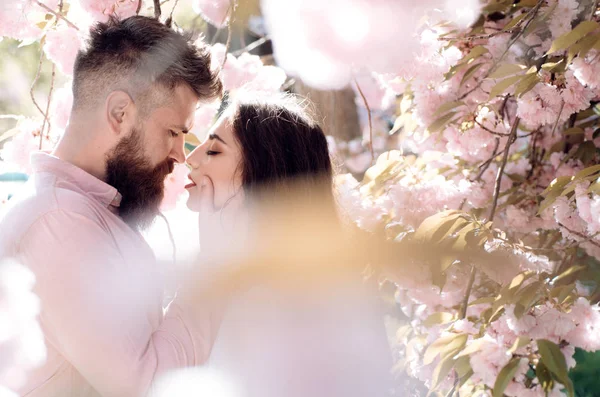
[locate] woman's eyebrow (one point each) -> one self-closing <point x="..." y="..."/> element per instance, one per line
<point x="218" y="138"/>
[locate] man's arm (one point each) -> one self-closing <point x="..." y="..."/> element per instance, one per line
<point x="95" y="313"/>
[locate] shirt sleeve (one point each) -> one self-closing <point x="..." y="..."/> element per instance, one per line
<point x="97" y="312"/>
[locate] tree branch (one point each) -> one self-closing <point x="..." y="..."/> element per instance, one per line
<point x="370" y="122"/>
<point x="48" y="108"/>
<point x="533" y="13"/>
<point x="57" y="15"/>
<point x="35" y="80"/>
<point x="583" y="236"/>
<point x="511" y="139"/>
<point x="251" y="46"/>
<point x="229" y="14"/>
<point x="157" y="10"/>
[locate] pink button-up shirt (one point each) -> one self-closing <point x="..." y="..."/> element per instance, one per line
<point x="100" y="289"/>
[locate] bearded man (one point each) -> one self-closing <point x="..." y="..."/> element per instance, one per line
<point x="77" y="222"/>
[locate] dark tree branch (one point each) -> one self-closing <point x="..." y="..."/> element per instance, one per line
<point x="157" y="10"/>
<point x="370" y="122"/>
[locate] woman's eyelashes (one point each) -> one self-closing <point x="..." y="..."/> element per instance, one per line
<point x="212" y="153"/>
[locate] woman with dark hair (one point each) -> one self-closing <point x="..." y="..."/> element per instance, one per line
<point x="299" y="321"/>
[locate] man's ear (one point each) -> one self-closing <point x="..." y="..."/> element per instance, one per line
<point x="120" y="112"/>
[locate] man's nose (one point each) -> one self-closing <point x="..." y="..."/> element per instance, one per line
<point x="178" y="151"/>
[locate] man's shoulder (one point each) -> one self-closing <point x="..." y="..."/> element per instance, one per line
<point x="34" y="202"/>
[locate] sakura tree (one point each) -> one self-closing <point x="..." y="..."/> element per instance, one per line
<point x="480" y="141"/>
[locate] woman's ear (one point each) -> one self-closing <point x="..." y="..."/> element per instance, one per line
<point x="120" y="112"/>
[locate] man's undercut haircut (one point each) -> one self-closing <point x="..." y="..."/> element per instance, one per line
<point x="139" y="55"/>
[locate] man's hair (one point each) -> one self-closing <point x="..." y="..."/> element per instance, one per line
<point x="139" y="55"/>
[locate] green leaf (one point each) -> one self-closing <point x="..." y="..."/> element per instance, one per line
<point x="476" y="52"/>
<point x="428" y="228"/>
<point x="586" y="172"/>
<point x="438" y="318"/>
<point x="446" y="107"/>
<point x="573" y="131"/>
<point x="553" y="191"/>
<point x="473" y="347"/>
<point x="9" y="134"/>
<point x="441" y="371"/>
<point x="557" y="185"/>
<point x="441" y="122"/>
<point x="554" y="360"/>
<point x="463" y="366"/>
<point x="505" y="376"/>
<point x="526" y="298"/>
<point x="569" y="272"/>
<point x="594" y="188"/>
<point x="515" y="21"/>
<point x="570" y="38"/>
<point x="582" y="47"/>
<point x="470" y="72"/>
<point x="444" y="345"/>
<point x="526" y="84"/>
<point x="586" y="152"/>
<point x="521" y="341"/>
<point x="544" y="377"/>
<point x="506" y="69"/>
<point x="484" y="300"/>
<point x="502" y="86"/>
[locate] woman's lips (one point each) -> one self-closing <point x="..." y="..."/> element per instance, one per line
<point x="190" y="184"/>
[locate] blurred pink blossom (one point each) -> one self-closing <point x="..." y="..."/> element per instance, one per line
<point x="18" y="18"/>
<point x="357" y="35"/>
<point x="21" y="340"/>
<point x="204" y="118"/>
<point x="26" y="140"/>
<point x="587" y="70"/>
<point x="246" y="71"/>
<point x="60" y="106"/>
<point x="61" y="46"/>
<point x="100" y="10"/>
<point x="214" y="11"/>
<point x="174" y="187"/>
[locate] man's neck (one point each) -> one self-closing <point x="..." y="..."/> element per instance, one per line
<point x="82" y="150"/>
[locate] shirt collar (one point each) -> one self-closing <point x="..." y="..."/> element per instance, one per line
<point x="87" y="183"/>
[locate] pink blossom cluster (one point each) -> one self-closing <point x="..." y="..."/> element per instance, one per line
<point x="587" y="70"/>
<point x="357" y="35"/>
<point x="61" y="46"/>
<point x="175" y="187"/>
<point x="21" y="340"/>
<point x="548" y="104"/>
<point x="246" y="71"/>
<point x="18" y="18"/>
<point x="216" y="12"/>
<point x="101" y="10"/>
<point x="432" y="195"/>
<point x="26" y="140"/>
<point x="367" y="213"/>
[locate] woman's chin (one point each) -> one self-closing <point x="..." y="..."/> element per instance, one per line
<point x="192" y="204"/>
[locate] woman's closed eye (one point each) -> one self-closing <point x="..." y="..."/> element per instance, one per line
<point x="212" y="153"/>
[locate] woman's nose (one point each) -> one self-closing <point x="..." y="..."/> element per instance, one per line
<point x="193" y="159"/>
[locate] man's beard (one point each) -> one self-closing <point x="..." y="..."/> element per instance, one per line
<point x="140" y="184"/>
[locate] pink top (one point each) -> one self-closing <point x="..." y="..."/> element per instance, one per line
<point x="100" y="289"/>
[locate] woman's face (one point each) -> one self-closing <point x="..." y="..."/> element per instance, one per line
<point x="218" y="158"/>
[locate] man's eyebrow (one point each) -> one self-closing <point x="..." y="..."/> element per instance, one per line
<point x="184" y="130"/>
<point x="218" y="138"/>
